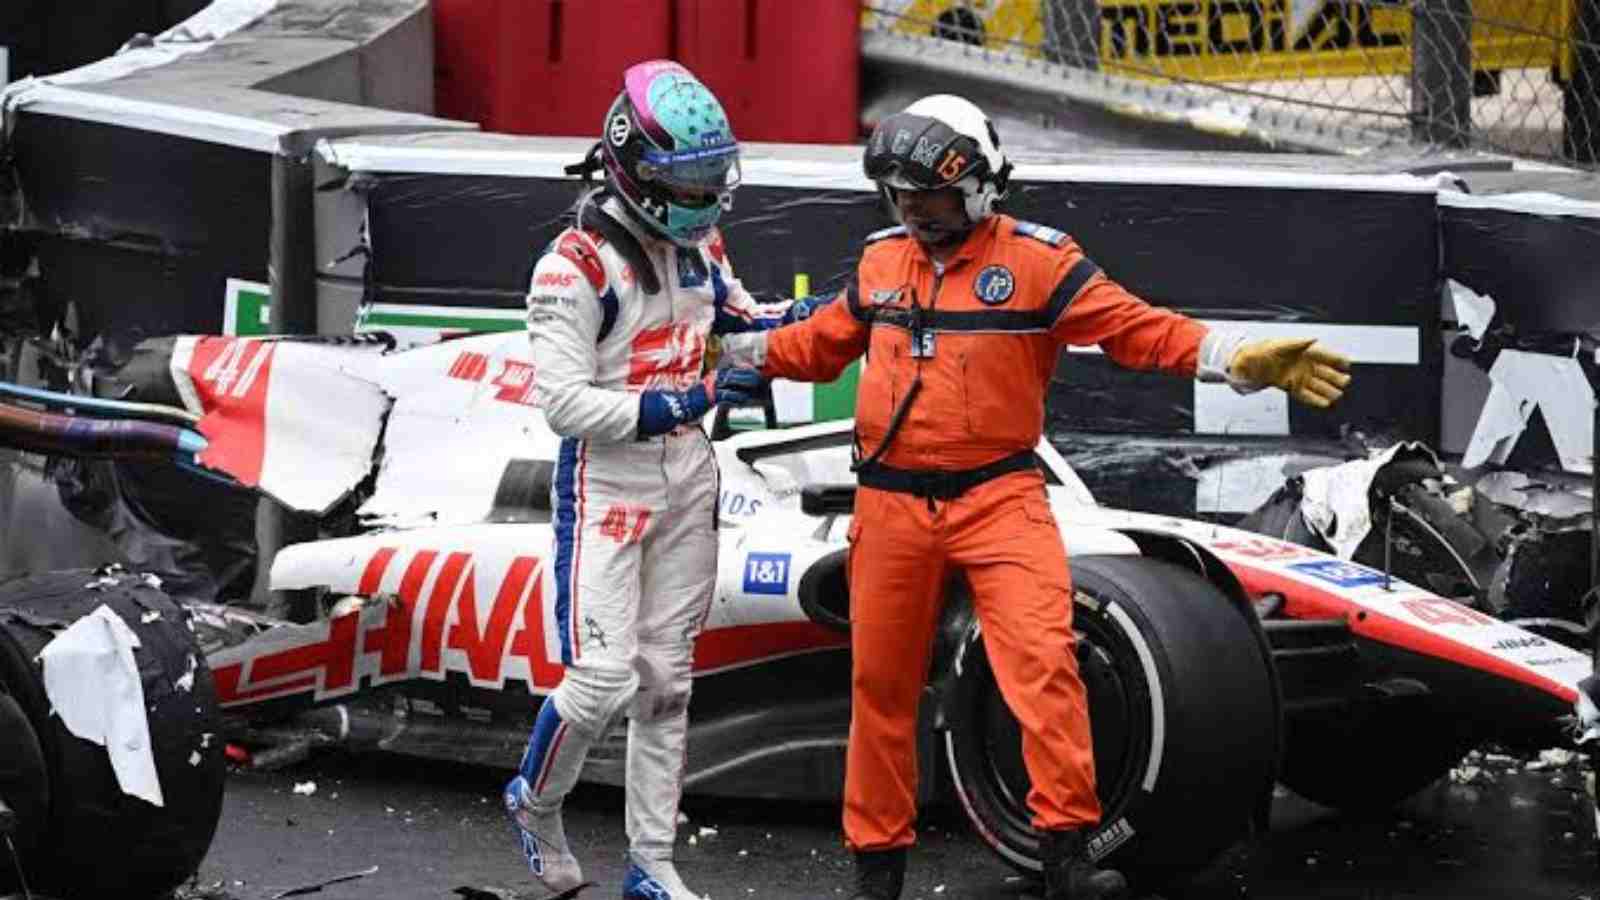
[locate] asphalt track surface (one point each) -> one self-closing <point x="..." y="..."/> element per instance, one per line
<point x="433" y="830"/>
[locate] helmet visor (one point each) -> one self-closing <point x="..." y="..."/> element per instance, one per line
<point x="710" y="170"/>
<point x="918" y="153"/>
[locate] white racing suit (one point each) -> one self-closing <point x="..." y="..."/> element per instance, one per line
<point x="635" y="555"/>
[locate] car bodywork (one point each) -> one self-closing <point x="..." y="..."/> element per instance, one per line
<point x="437" y="636"/>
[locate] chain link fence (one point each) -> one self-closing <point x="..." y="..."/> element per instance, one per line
<point x="1515" y="77"/>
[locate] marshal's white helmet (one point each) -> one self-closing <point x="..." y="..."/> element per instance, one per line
<point x="937" y="142"/>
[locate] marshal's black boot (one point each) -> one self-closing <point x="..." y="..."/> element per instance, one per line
<point x="880" y="874"/>
<point x="1068" y="874"/>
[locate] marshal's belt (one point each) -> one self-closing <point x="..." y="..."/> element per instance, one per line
<point x="936" y="484"/>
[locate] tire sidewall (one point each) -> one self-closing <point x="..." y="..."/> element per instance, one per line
<point x="1149" y="821"/>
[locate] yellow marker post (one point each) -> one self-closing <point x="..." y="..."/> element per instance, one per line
<point x="802" y="284"/>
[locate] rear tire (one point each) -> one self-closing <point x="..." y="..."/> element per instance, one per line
<point x="1183" y="713"/>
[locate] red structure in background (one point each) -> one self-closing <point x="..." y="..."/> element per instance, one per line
<point x="786" y="71"/>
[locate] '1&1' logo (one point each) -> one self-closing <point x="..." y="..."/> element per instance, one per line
<point x="766" y="573"/>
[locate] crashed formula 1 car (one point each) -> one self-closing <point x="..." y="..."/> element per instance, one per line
<point x="1515" y="546"/>
<point x="1216" y="661"/>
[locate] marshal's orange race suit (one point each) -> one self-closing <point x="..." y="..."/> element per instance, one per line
<point x="948" y="481"/>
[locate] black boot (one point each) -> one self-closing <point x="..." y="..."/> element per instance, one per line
<point x="1068" y="874"/>
<point x="880" y="874"/>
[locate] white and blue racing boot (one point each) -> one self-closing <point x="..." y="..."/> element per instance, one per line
<point x="654" y="880"/>
<point x="544" y="840"/>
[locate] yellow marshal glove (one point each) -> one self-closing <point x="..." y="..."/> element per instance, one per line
<point x="1312" y="374"/>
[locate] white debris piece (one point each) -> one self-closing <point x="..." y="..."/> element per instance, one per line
<point x="194" y="758"/>
<point x="1522" y="382"/>
<point x="305" y="787"/>
<point x="93" y="684"/>
<point x="151" y="580"/>
<point x="185" y="683"/>
<point x="1335" y="502"/>
<point x="1553" y="758"/>
<point x="151" y="616"/>
<point x="1473" y="311"/>
<point x="707" y="832"/>
<point x="1588" y="719"/>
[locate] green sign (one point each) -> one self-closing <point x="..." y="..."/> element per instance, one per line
<point x="837" y="399"/>
<point x="413" y="325"/>
<point x="245" y="308"/>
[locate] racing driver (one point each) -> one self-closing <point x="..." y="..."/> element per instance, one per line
<point x="961" y="312"/>
<point x="620" y="307"/>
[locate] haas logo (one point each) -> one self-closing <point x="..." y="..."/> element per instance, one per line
<point x="515" y="383"/>
<point x="668" y="357"/>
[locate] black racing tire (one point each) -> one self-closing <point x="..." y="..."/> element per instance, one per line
<point x="1183" y="712"/>
<point x="1375" y="756"/>
<point x="24" y="783"/>
<point x="97" y="841"/>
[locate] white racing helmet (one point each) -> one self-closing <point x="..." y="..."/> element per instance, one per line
<point x="937" y="142"/>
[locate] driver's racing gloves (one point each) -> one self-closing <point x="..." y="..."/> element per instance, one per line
<point x="662" y="411"/>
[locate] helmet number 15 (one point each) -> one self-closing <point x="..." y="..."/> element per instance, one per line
<point x="952" y="165"/>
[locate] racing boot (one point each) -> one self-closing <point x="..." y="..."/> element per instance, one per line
<point x="880" y="874"/>
<point x="544" y="840"/>
<point x="654" y="879"/>
<point x="658" y="732"/>
<point x="1068" y="873"/>
<point x="548" y="771"/>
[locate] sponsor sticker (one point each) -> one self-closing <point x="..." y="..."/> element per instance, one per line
<point x="549" y="303"/>
<point x="1519" y="643"/>
<point x="885" y="297"/>
<point x="618" y="130"/>
<point x="1338" y="572"/>
<point x="555" y="279"/>
<point x="469" y="366"/>
<point x="1110" y="838"/>
<point x="515" y="383"/>
<point x="1552" y="661"/>
<point x="766" y="573"/>
<point x="1262" y="548"/>
<point x="670" y="357"/>
<point x="737" y="504"/>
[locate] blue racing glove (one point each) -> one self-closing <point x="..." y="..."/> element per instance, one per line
<point x="735" y="385"/>
<point x="662" y="411"/>
<point x="804" y="307"/>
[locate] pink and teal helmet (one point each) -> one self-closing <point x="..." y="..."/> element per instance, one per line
<point x="669" y="151"/>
